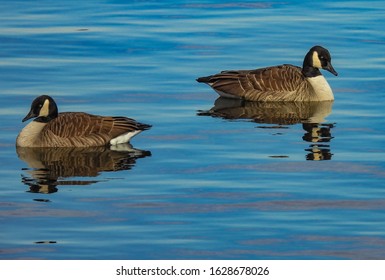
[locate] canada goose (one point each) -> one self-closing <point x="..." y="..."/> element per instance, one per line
<point x="278" y="83"/>
<point x="70" y="129"/>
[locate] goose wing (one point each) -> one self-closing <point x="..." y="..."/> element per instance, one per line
<point x="82" y="129"/>
<point x="271" y="83"/>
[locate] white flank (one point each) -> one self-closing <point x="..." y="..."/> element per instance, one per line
<point x="124" y="138"/>
<point x="322" y="90"/>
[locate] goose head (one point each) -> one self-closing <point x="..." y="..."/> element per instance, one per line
<point x="317" y="58"/>
<point x="43" y="108"/>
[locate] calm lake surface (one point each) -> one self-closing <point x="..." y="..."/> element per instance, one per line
<point x="211" y="179"/>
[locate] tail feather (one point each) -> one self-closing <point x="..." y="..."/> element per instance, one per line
<point x="143" y="126"/>
<point x="204" y="79"/>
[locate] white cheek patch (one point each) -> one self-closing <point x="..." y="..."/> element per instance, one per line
<point x="44" y="111"/>
<point x="316" y="61"/>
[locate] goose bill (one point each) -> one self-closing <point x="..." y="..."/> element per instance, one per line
<point x="330" y="68"/>
<point x="30" y="115"/>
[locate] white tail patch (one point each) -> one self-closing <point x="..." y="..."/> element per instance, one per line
<point x="124" y="138"/>
<point x="125" y="147"/>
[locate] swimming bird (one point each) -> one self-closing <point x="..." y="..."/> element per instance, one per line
<point x="73" y="129"/>
<point x="278" y="83"/>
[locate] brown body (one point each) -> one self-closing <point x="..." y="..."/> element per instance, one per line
<point x="278" y="83"/>
<point x="74" y="129"/>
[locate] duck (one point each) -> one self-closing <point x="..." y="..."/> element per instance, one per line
<point x="278" y="83"/>
<point x="73" y="129"/>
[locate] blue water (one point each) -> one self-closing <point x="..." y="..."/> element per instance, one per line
<point x="204" y="185"/>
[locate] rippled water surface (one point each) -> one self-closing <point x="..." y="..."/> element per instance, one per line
<point x="212" y="179"/>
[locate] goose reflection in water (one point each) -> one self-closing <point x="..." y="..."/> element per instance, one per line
<point x="310" y="114"/>
<point x="51" y="167"/>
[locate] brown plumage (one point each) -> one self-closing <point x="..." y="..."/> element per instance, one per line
<point x="74" y="129"/>
<point x="278" y="83"/>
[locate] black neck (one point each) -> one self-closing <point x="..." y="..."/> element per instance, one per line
<point x="310" y="72"/>
<point x="45" y="119"/>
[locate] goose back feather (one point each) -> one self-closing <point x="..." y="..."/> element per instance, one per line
<point x="278" y="83"/>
